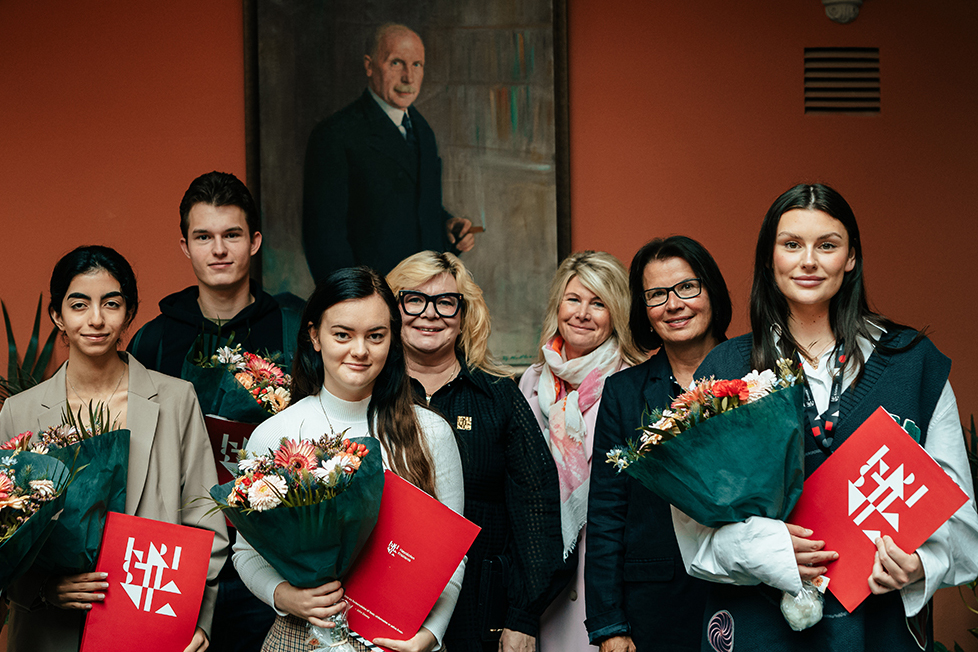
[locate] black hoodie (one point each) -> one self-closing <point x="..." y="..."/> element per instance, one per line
<point x="163" y="343"/>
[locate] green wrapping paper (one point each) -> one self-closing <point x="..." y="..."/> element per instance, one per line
<point x="221" y="395"/>
<point x="101" y="467"/>
<point x="314" y="544"/>
<point x="19" y="551"/>
<point x="745" y="462"/>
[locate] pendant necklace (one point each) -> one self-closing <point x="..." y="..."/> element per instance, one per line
<point x="104" y="402"/>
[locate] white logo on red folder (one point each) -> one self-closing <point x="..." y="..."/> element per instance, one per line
<point x="229" y="446"/>
<point x="395" y="550"/>
<point x="153" y="565"/>
<point x="887" y="486"/>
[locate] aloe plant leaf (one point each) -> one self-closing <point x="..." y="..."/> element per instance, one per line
<point x="44" y="357"/>
<point x="13" y="366"/>
<point x="31" y="352"/>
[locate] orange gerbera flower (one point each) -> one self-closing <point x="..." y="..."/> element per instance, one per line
<point x="245" y="378"/>
<point x="296" y="455"/>
<point x="698" y="394"/>
<point x="6" y="486"/>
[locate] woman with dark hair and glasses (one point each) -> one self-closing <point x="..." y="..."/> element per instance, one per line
<point x="348" y="375"/>
<point x="510" y="479"/>
<point x="638" y="595"/>
<point x="93" y="302"/>
<point x="808" y="302"/>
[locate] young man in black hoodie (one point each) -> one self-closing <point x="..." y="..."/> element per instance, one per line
<point x="219" y="223"/>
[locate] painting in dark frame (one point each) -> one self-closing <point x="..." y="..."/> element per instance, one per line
<point x="495" y="94"/>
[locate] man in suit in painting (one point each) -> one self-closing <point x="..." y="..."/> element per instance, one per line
<point x="372" y="179"/>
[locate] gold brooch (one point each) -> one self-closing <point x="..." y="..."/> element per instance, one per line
<point x="463" y="423"/>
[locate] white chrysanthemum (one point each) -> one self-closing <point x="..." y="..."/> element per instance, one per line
<point x="43" y="488"/>
<point x="267" y="492"/>
<point x="759" y="384"/>
<point x="40" y="449"/>
<point x="665" y="423"/>
<point x="649" y="437"/>
<point x="246" y="465"/>
<point x="328" y="472"/>
<point x="228" y="356"/>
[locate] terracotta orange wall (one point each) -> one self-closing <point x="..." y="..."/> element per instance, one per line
<point x="107" y="111"/>
<point x="685" y="118"/>
<point x="688" y="117"/>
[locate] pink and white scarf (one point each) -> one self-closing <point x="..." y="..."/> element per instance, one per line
<point x="567" y="435"/>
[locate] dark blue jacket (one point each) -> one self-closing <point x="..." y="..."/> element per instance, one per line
<point x="366" y="199"/>
<point x="634" y="578"/>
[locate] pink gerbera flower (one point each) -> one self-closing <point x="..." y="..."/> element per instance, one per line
<point x="296" y="455"/>
<point x="262" y="369"/>
<point x="19" y="442"/>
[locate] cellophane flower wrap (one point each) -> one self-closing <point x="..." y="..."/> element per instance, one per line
<point x="97" y="454"/>
<point x="233" y="383"/>
<point x="726" y="449"/>
<point x="32" y="496"/>
<point x="308" y="506"/>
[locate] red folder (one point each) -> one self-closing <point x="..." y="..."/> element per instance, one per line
<point x="157" y="573"/>
<point x="227" y="437"/>
<point x="406" y="562"/>
<point x="878" y="482"/>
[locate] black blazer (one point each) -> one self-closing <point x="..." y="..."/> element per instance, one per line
<point x="366" y="201"/>
<point x="634" y="578"/>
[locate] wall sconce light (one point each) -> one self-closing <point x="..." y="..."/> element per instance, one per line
<point x="842" y="11"/>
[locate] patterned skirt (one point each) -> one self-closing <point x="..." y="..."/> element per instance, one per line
<point x="288" y="634"/>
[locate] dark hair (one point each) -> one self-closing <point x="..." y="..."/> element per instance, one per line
<point x="705" y="268"/>
<point x="392" y="401"/>
<point x="848" y="310"/>
<point x="218" y="189"/>
<point x="85" y="260"/>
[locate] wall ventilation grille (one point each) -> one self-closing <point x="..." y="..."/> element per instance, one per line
<point x="842" y="80"/>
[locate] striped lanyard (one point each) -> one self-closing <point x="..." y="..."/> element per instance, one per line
<point x="822" y="426"/>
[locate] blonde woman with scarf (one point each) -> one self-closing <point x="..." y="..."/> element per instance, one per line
<point x="585" y="340"/>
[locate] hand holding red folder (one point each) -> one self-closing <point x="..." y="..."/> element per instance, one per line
<point x="405" y="564"/>
<point x="878" y="482"/>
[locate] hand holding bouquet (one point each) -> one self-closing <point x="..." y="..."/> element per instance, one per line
<point x="98" y="456"/>
<point x="726" y="449"/>
<point x="307" y="508"/>
<point x="323" y="495"/>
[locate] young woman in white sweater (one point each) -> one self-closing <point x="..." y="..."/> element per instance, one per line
<point x="349" y="375"/>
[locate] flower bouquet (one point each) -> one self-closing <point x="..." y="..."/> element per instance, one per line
<point x="31" y="498"/>
<point x="726" y="449"/>
<point x="236" y="384"/>
<point x="98" y="455"/>
<point x="307" y="508"/>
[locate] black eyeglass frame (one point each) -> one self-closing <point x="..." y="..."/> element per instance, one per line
<point x="645" y="295"/>
<point x="430" y="299"/>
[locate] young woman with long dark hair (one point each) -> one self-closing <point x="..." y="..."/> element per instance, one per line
<point x="808" y="302"/>
<point x="349" y="375"/>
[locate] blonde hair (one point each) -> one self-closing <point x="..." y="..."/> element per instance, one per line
<point x="604" y="275"/>
<point x="473" y="341"/>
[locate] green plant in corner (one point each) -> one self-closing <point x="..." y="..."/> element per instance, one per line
<point x="24" y="374"/>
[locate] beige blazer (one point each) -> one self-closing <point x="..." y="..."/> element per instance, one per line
<point x="170" y="463"/>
